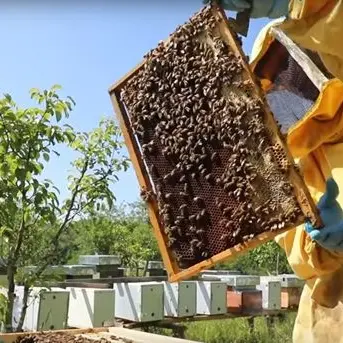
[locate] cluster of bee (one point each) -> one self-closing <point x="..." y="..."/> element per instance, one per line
<point x="203" y="135"/>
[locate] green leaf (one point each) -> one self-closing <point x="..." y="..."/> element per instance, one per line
<point x="27" y="216"/>
<point x="58" y="116"/>
<point x="8" y="97"/>
<point x="34" y="91"/>
<point x="56" y="87"/>
<point x="72" y="100"/>
<point x="56" y="189"/>
<point x="20" y="173"/>
<point x="4" y="168"/>
<point x="46" y="156"/>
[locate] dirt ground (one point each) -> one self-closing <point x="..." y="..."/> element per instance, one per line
<point x="67" y="338"/>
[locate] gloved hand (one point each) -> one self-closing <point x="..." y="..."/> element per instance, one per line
<point x="330" y="236"/>
<point x="260" y="8"/>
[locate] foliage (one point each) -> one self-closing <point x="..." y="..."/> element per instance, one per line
<point x="3" y="308"/>
<point x="237" y="331"/>
<point x="124" y="231"/>
<point x="268" y="258"/>
<point x="32" y="220"/>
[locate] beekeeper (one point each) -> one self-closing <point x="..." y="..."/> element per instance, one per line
<point x="315" y="139"/>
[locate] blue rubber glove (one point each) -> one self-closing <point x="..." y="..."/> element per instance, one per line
<point x="260" y="8"/>
<point x="330" y="236"/>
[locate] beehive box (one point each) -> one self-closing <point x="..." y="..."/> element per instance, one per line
<point x="249" y="300"/>
<point x="90" y="307"/>
<point x="180" y="299"/>
<point x="271" y="294"/>
<point x="211" y="298"/>
<point x="139" y="301"/>
<point x="290" y="297"/>
<point x="207" y="152"/>
<point x="47" y="308"/>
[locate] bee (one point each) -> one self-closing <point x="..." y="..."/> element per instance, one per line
<point x="147" y="195"/>
<point x="199" y="201"/>
<point x="224" y="237"/>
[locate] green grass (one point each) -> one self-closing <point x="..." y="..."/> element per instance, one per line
<point x="237" y="331"/>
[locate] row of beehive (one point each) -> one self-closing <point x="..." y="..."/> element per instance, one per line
<point x="152" y="301"/>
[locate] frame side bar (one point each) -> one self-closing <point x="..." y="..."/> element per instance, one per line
<point x="144" y="181"/>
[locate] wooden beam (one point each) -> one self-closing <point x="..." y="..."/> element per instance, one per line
<point x="144" y="337"/>
<point x="106" y="283"/>
<point x="305" y="62"/>
<point x="201" y="318"/>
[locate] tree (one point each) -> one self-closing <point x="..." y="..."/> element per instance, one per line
<point x="124" y="231"/>
<point x="32" y="221"/>
<point x="268" y="258"/>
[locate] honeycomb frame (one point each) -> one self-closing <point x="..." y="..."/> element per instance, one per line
<point x="155" y="192"/>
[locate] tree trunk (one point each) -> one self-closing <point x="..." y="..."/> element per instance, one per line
<point x="146" y="268"/>
<point x="10" y="299"/>
<point x="137" y="269"/>
<point x="277" y="263"/>
<point x="24" y="308"/>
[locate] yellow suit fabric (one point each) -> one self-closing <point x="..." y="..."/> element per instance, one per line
<point x="317" y="25"/>
<point x="316" y="143"/>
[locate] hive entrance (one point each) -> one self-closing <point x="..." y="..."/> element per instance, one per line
<point x="220" y="174"/>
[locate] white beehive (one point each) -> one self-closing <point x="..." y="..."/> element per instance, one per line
<point x="47" y="308"/>
<point x="139" y="302"/>
<point x="100" y="260"/>
<point x="287" y="280"/>
<point x="180" y="299"/>
<point x="90" y="307"/>
<point x="271" y="294"/>
<point x="241" y="281"/>
<point x="211" y="297"/>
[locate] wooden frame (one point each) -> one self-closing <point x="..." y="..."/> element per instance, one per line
<point x="301" y="192"/>
<point x="305" y="62"/>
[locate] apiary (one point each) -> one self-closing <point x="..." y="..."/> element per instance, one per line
<point x="208" y="154"/>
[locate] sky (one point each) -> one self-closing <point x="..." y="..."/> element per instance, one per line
<point x="85" y="46"/>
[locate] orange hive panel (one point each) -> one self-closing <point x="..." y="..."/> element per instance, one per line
<point x="290" y="297"/>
